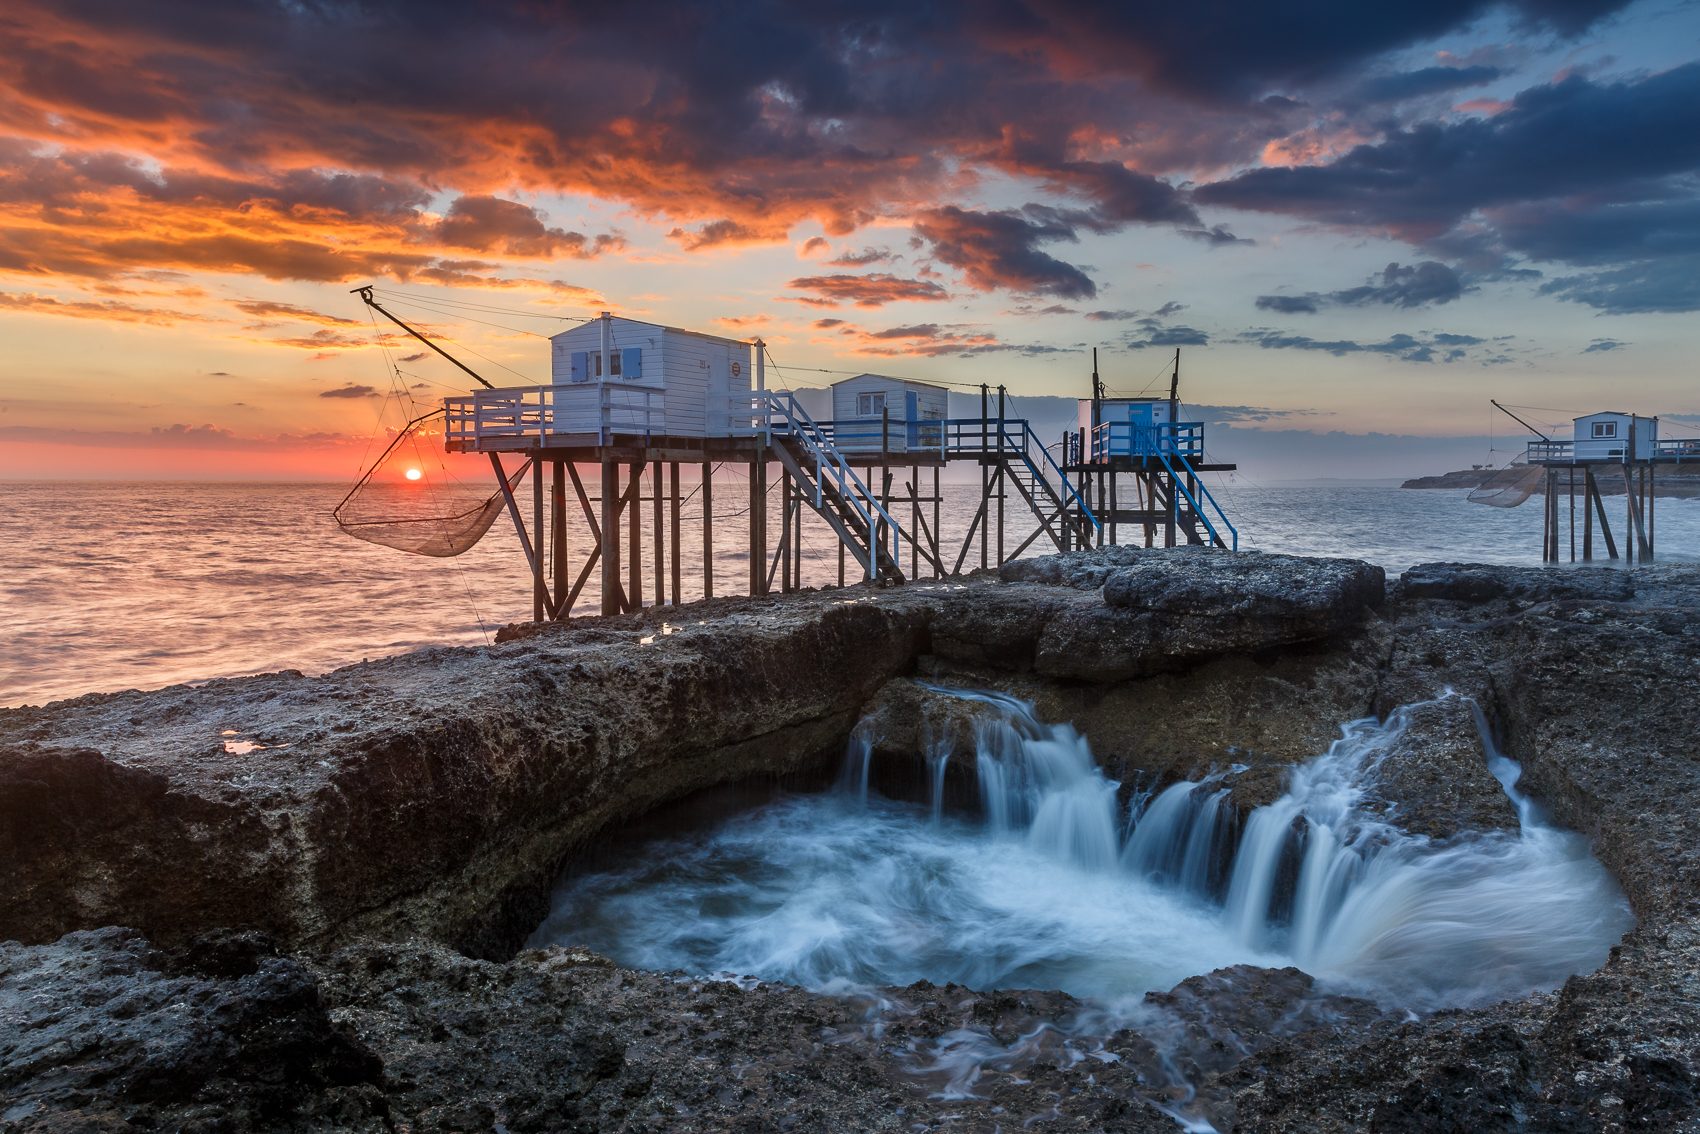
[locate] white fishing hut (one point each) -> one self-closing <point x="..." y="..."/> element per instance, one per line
<point x="1606" y="436"/>
<point x="1136" y="428"/>
<point x="872" y="413"/>
<point x="621" y="376"/>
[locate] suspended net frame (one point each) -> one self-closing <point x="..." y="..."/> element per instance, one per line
<point x="422" y="519"/>
<point x="1508" y="487"/>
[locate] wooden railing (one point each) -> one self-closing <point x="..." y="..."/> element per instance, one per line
<point x="540" y="412"/>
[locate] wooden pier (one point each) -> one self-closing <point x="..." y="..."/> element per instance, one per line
<point x="632" y="404"/>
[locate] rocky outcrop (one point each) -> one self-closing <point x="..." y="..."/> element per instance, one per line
<point x="1165" y="610"/>
<point x="374" y="821"/>
<point x="431" y="793"/>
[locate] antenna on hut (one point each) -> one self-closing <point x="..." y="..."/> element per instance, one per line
<point x="365" y="294"/>
<point x="1175" y="389"/>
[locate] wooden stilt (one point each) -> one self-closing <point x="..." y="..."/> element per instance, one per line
<point x="558" y="530"/>
<point x="1651" y="495"/>
<point x="634" y="531"/>
<point x="758" y="526"/>
<point x="706" y="490"/>
<point x="1587" y="515"/>
<point x="539" y="583"/>
<point x="659" y="519"/>
<point x="914" y="521"/>
<point x="678" y="556"/>
<point x="613" y="599"/>
<point x="938" y="533"/>
<point x="1570" y="494"/>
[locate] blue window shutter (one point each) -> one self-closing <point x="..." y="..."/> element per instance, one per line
<point x="581" y="366"/>
<point x="631" y="363"/>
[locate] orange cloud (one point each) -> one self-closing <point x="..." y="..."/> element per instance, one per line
<point x="110" y="310"/>
<point x="874" y="290"/>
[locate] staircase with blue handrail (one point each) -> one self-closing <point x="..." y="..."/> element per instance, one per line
<point x="831" y="486"/>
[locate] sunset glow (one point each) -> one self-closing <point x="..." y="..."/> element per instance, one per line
<point x="1359" y="225"/>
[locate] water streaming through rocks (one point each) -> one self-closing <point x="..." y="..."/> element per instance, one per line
<point x="1056" y="884"/>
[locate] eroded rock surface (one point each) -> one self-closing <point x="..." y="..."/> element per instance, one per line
<point x="372" y="819"/>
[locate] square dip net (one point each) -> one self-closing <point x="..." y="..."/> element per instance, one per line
<point x="408" y="500"/>
<point x="1508" y="487"/>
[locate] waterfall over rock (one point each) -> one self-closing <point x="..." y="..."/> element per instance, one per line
<point x="1054" y="883"/>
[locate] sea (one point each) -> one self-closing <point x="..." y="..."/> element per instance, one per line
<point x="112" y="586"/>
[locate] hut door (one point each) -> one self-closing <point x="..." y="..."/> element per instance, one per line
<point x="1144" y="440"/>
<point x="911" y="419"/>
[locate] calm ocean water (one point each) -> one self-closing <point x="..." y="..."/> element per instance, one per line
<point x="118" y="586"/>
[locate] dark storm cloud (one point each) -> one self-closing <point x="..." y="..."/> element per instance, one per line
<point x="734" y="123"/>
<point x="1289" y="304"/>
<point x="1397" y="285"/>
<point x="1427" y="81"/>
<point x="1168" y="337"/>
<point x="1225" y="49"/>
<point x="1407" y="348"/>
<point x="1000" y="249"/>
<point x="1596" y="232"/>
<point x="491" y="224"/>
<point x="1216" y="236"/>
<point x="1570" y="137"/>
<point x="1668" y="285"/>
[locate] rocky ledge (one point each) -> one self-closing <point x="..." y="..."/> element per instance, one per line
<point x="293" y="903"/>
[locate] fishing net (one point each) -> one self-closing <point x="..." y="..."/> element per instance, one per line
<point x="410" y="500"/>
<point x="1509" y="487"/>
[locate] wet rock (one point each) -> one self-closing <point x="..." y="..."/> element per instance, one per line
<point x="1435" y="780"/>
<point x="1165" y="610"/>
<point x="427" y="793"/>
<point x="103" y="1031"/>
<point x="1476" y="583"/>
<point x="435" y="794"/>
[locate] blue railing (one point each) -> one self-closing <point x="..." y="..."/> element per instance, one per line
<point x="1180" y="484"/>
<point x="1126" y="439"/>
<point x="1025" y="445"/>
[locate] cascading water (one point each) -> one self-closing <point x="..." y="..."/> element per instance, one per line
<point x="1054" y="886"/>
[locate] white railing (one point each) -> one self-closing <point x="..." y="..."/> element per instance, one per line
<point x="539" y="413"/>
<point x="786" y="416"/>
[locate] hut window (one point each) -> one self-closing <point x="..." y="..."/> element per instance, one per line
<point x="1605" y="429"/>
<point x="869" y="404"/>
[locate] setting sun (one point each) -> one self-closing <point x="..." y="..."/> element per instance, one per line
<point x="414" y="474"/>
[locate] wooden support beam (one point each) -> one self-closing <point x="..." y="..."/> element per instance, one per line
<point x="539" y="583"/>
<point x="558" y="532"/>
<point x="513" y="510"/>
<point x="1643" y="549"/>
<point x="678" y="555"/>
<point x="979" y="515"/>
<point x="758" y="526"/>
<point x="634" y="530"/>
<point x="938" y="531"/>
<point x="613" y="598"/>
<point x="706" y="490"/>
<point x="1570" y="493"/>
<point x="1587" y="515"/>
<point x="1600" y="511"/>
<point x="916" y="541"/>
<point x="584" y="503"/>
<point x="660" y="525"/>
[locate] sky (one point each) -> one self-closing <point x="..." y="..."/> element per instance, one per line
<point x="1359" y="222"/>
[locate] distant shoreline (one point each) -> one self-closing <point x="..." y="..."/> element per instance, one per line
<point x="1675" y="481"/>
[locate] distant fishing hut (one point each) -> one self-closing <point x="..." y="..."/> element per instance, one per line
<point x="1144" y="438"/>
<point x="1603" y="447"/>
<point x="635" y="400"/>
